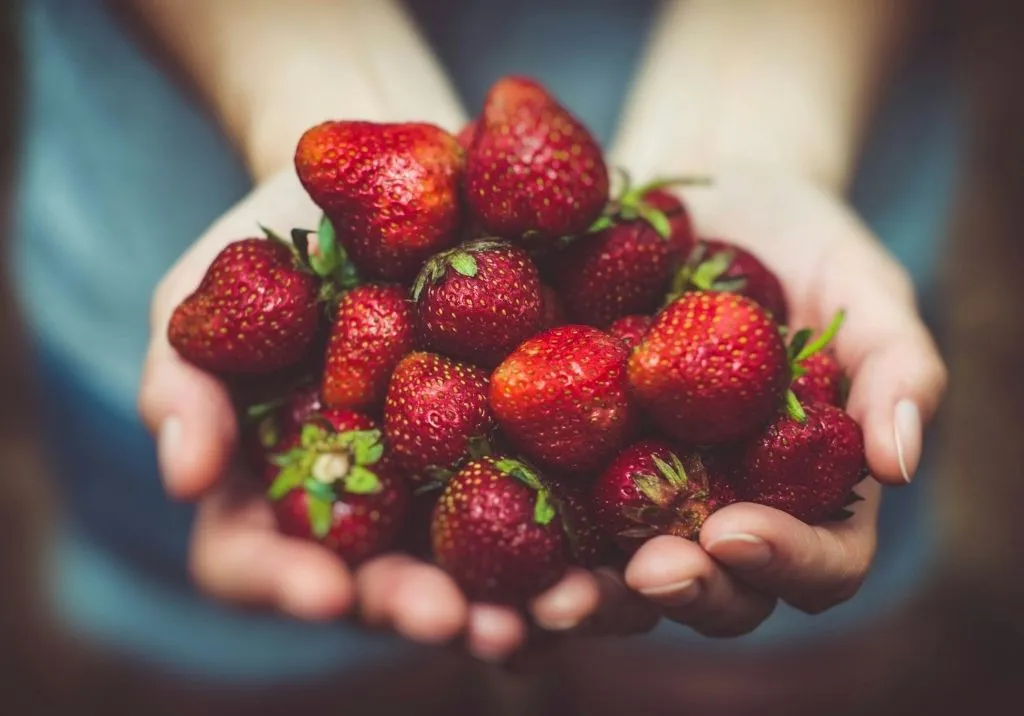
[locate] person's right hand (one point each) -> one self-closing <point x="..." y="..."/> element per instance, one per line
<point x="238" y="556"/>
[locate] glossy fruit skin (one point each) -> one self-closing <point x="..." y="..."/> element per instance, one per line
<point x="683" y="236"/>
<point x="823" y="381"/>
<point x="534" y="173"/>
<point x="363" y="525"/>
<point x="622" y="270"/>
<point x="552" y="311"/>
<point x="254" y="312"/>
<point x="392" y="191"/>
<point x="481" y="318"/>
<point x="374" y="327"/>
<point x="760" y="283"/>
<point x="485" y="535"/>
<point x="808" y="469"/>
<point x="616" y="498"/>
<point x="631" y="329"/>
<point x="433" y="410"/>
<point x="561" y="398"/>
<point x="712" y="369"/>
<point x="588" y="543"/>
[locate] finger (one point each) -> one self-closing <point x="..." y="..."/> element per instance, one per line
<point x="812" y="568"/>
<point x="237" y="556"/>
<point x="190" y="413"/>
<point x="898" y="376"/>
<point x="568" y="603"/>
<point x="692" y="589"/>
<point x="622" y="611"/>
<point x="417" y="600"/>
<point x="494" y="632"/>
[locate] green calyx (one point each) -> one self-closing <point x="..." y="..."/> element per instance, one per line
<point x="326" y="463"/>
<point x="460" y="260"/>
<point x="800" y="348"/>
<point x="544" y="510"/>
<point x="702" y="272"/>
<point x="662" y="488"/>
<point x="437" y="477"/>
<point x="323" y="256"/>
<point x="631" y="205"/>
<point x="677" y="498"/>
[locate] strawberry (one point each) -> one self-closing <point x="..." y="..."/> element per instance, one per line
<point x="588" y="543"/>
<point x="651" y="489"/>
<point x="712" y="368"/>
<point x="822" y="382"/>
<point x="681" y="231"/>
<point x="720" y="266"/>
<point x="497" y="531"/>
<point x="625" y="265"/>
<point x="337" y="488"/>
<point x="631" y="329"/>
<point x="374" y="326"/>
<point x="534" y="173"/>
<point x="806" y="468"/>
<point x="254" y="312"/>
<point x="478" y="301"/>
<point x="436" y="415"/>
<point x="392" y="191"/>
<point x="552" y="312"/>
<point x="466" y="135"/>
<point x="561" y="398"/>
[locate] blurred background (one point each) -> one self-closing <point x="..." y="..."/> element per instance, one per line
<point x="958" y="646"/>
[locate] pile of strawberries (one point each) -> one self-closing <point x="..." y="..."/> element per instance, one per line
<point x="483" y="358"/>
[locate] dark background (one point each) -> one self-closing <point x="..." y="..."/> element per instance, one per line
<point x="959" y="648"/>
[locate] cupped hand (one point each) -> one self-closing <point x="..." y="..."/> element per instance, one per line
<point x="236" y="553"/>
<point x="749" y="556"/>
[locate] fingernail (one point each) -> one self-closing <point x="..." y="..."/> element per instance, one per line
<point x="677" y="594"/>
<point x="907" y="434"/>
<point x="168" y="442"/>
<point x="742" y="551"/>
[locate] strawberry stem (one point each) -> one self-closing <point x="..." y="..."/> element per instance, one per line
<point x="794" y="409"/>
<point x="824" y="339"/>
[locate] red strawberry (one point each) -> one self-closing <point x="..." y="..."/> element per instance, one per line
<point x="552" y="312"/>
<point x="626" y="266"/>
<point x="681" y="232"/>
<point x="807" y="469"/>
<point x="435" y="415"/>
<point x="822" y="382"/>
<point x="337" y="488"/>
<point x="721" y="266"/>
<point x="255" y="311"/>
<point x="631" y="329"/>
<point x="496" y="531"/>
<point x="533" y="173"/>
<point x="466" y="134"/>
<point x="712" y="369"/>
<point x="391" y="190"/>
<point x="648" y="490"/>
<point x="561" y="398"/>
<point x="374" y="326"/>
<point x="588" y="543"/>
<point x="478" y="301"/>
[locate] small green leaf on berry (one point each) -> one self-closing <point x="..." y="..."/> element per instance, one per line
<point x="287" y="480"/>
<point x="321" y="515"/>
<point x="463" y="263"/>
<point x="543" y="510"/>
<point x="361" y="481"/>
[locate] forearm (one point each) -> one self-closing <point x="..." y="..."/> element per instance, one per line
<point x="270" y="69"/>
<point x="774" y="83"/>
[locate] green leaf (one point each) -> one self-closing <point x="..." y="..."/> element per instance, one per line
<point x="287" y="458"/>
<point x="463" y="263"/>
<point x="653" y="488"/>
<point x="321" y="515"/>
<point x="543" y="509"/>
<point x="674" y="473"/>
<point x="365" y="445"/>
<point x="657" y="219"/>
<point x="325" y="259"/>
<point x="796" y="345"/>
<point x="794" y="409"/>
<point x="318" y="489"/>
<point x="260" y="410"/>
<point x="520" y="471"/>
<point x="287" y="480"/>
<point x="419" y="284"/>
<point x="273" y="235"/>
<point x="824" y="339"/>
<point x="600" y="224"/>
<point x="711" y="270"/>
<point x="311" y="435"/>
<point x="300" y="240"/>
<point x="361" y="481"/>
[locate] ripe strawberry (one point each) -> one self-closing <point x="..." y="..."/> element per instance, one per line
<point x="254" y="312"/>
<point x="478" y="301"/>
<point x="374" y="326"/>
<point x="496" y="531"/>
<point x="588" y="543"/>
<point x="822" y="382"/>
<point x="466" y="135"/>
<point x="392" y="191"/>
<point x="533" y="172"/>
<point x="625" y="265"/>
<point x="808" y="468"/>
<point x="712" y="369"/>
<point x="337" y="488"/>
<point x="631" y="329"/>
<point x="681" y="231"/>
<point x="650" y="489"/>
<point x="436" y="415"/>
<point x="552" y="312"/>
<point x="561" y="398"/>
<point x="720" y="266"/>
